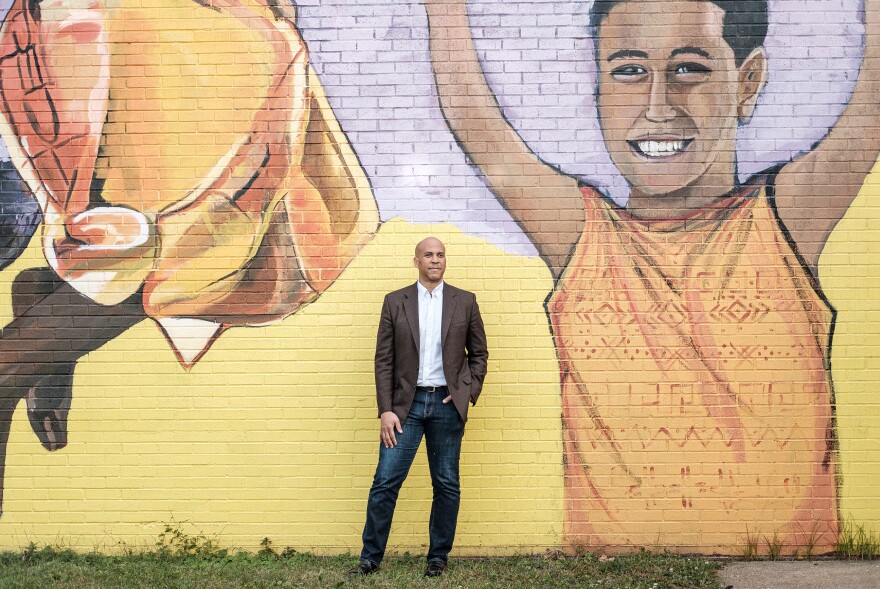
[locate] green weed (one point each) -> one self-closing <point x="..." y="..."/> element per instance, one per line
<point x="812" y="540"/>
<point x="774" y="545"/>
<point x="267" y="551"/>
<point x="751" y="546"/>
<point x="854" y="542"/>
<point x="174" y="542"/>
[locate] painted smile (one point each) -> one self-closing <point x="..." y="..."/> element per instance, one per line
<point x="652" y="148"/>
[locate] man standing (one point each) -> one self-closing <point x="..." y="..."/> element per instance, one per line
<point x="430" y="363"/>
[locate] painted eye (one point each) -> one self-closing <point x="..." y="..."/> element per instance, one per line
<point x="629" y="73"/>
<point x="691" y="72"/>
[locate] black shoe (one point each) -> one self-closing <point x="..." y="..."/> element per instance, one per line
<point x="435" y="568"/>
<point x="364" y="567"/>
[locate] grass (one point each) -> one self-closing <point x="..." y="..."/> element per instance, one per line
<point x="751" y="545"/>
<point x="774" y="545"/>
<point x="812" y="540"/>
<point x="165" y="568"/>
<point x="853" y="542"/>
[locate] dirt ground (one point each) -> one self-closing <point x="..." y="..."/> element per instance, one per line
<point x="830" y="574"/>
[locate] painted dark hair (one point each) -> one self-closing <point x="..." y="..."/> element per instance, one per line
<point x="745" y="23"/>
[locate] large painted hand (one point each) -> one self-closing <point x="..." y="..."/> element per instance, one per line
<point x="54" y="69"/>
<point x="281" y="215"/>
<point x="211" y="237"/>
<point x="241" y="235"/>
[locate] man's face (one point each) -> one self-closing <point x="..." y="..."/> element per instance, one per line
<point x="431" y="261"/>
<point x="670" y="96"/>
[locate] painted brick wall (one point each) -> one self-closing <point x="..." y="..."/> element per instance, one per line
<point x="666" y="210"/>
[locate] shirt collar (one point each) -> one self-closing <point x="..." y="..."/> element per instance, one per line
<point x="438" y="290"/>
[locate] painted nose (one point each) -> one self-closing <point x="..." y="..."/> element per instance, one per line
<point x="659" y="109"/>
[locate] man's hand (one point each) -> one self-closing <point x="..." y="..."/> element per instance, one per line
<point x="390" y="424"/>
<point x="448" y="399"/>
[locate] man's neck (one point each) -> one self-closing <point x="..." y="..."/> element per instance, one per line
<point x="430" y="286"/>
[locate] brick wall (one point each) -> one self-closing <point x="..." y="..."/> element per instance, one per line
<point x="203" y="204"/>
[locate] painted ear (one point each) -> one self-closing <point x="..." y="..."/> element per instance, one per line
<point x="752" y="77"/>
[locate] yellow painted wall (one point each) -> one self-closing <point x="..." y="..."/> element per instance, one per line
<point x="850" y="274"/>
<point x="274" y="432"/>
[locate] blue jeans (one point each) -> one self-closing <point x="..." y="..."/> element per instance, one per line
<point x="443" y="431"/>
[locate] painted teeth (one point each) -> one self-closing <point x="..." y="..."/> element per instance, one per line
<point x="660" y="148"/>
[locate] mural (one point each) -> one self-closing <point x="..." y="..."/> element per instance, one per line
<point x="19" y="214"/>
<point x="132" y="231"/>
<point x="639" y="192"/>
<point x="691" y="329"/>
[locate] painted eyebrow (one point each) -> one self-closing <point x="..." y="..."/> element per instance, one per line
<point x="690" y="50"/>
<point x="624" y="53"/>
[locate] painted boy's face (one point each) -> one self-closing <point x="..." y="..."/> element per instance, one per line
<point x="671" y="96"/>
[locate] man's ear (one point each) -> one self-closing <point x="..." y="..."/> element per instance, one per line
<point x="752" y="77"/>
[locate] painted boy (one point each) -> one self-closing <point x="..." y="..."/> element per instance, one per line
<point x="691" y="329"/>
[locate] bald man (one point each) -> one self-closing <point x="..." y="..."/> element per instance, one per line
<point x="430" y="363"/>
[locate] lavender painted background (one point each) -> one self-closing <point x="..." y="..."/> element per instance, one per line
<point x="372" y="56"/>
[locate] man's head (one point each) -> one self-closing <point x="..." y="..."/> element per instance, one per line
<point x="430" y="259"/>
<point x="675" y="80"/>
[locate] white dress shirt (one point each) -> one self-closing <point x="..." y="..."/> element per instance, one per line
<point x="430" y="350"/>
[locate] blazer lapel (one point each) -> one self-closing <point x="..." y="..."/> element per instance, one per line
<point x="448" y="311"/>
<point x="411" y="306"/>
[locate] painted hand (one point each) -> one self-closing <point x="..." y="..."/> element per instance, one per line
<point x="245" y="230"/>
<point x="52" y="124"/>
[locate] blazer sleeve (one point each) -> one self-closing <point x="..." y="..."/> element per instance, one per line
<point x="477" y="351"/>
<point x="384" y="360"/>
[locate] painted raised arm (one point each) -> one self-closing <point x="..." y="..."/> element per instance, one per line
<point x="546" y="203"/>
<point x="813" y="192"/>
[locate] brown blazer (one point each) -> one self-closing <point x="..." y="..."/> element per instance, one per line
<point x="463" y="341"/>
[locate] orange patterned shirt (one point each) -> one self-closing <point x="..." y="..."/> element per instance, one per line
<point x="697" y="398"/>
